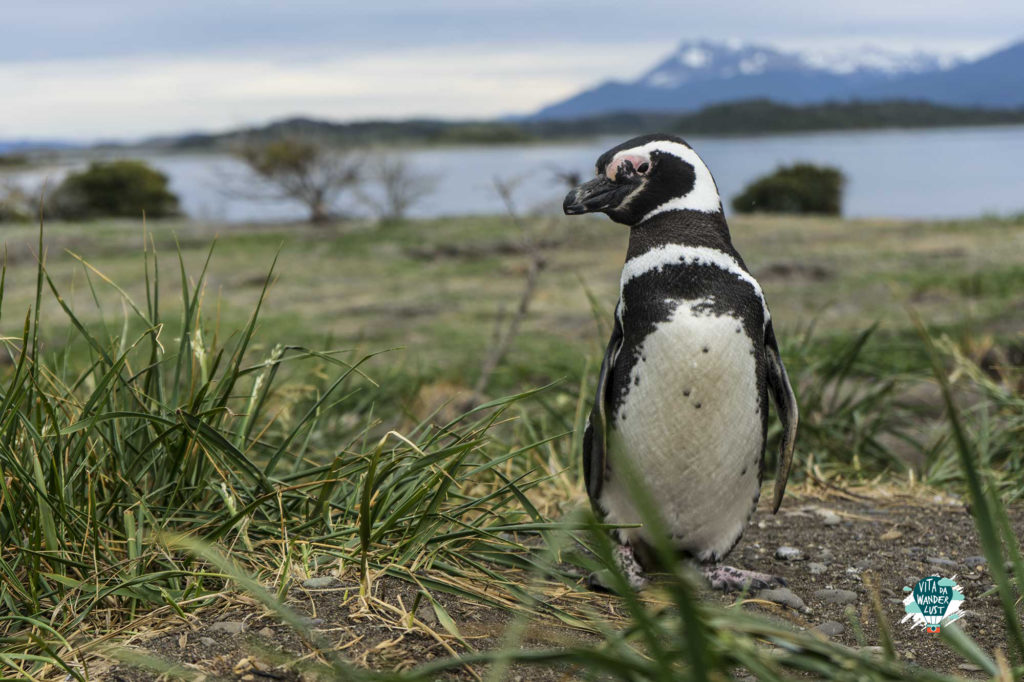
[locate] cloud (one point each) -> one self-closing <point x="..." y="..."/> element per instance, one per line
<point x="123" y="68"/>
<point x="129" y="97"/>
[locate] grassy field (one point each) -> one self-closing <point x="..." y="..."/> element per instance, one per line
<point x="435" y="288"/>
<point x="172" y="460"/>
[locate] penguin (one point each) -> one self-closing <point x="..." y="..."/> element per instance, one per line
<point x="682" y="395"/>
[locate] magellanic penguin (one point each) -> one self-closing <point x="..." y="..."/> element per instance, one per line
<point x="682" y="395"/>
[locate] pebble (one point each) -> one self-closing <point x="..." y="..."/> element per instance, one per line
<point x="425" y="612"/>
<point x="863" y="564"/>
<point x="939" y="561"/>
<point x="266" y="632"/>
<point x="830" y="628"/>
<point x="784" y="596"/>
<point x="319" y="583"/>
<point x="208" y="641"/>
<point x="231" y="627"/>
<point x="816" y="569"/>
<point x="828" y="517"/>
<point x="787" y="553"/>
<point x="836" y="596"/>
<point x="825" y="555"/>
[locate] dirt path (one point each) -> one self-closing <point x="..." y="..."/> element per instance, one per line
<point x="843" y="542"/>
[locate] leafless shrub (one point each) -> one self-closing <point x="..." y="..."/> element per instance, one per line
<point x="399" y="186"/>
<point x="303" y="170"/>
<point x="15" y="203"/>
<point x="505" y="331"/>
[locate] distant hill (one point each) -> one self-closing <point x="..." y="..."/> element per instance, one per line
<point x="734" y="118"/>
<point x="701" y="73"/>
<point x="17" y="146"/>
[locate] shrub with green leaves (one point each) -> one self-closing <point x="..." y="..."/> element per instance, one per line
<point x="800" y="188"/>
<point x="114" y="189"/>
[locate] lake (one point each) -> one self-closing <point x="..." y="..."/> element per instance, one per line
<point x="934" y="173"/>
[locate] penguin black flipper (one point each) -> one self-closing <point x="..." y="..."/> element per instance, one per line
<point x="785" y="405"/>
<point x="595" y="437"/>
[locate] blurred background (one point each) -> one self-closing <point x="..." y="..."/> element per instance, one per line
<point x="915" y="104"/>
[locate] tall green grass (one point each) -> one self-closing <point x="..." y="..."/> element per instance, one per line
<point x="169" y="428"/>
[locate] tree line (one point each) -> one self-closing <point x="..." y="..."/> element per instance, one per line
<point x="733" y="118"/>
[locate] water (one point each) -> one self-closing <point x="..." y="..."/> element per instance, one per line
<point x="937" y="173"/>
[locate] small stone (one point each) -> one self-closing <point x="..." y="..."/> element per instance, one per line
<point x="816" y="569"/>
<point x="266" y="632"/>
<point x="829" y="517"/>
<point x="425" y="612"/>
<point x="863" y="564"/>
<point x="830" y="628"/>
<point x="836" y="596"/>
<point x="208" y="641"/>
<point x="230" y="627"/>
<point x="973" y="561"/>
<point x="784" y="596"/>
<point x="939" y="561"/>
<point x="787" y="553"/>
<point x="825" y="555"/>
<point x="320" y="583"/>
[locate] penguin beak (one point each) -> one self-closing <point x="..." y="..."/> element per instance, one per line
<point x="599" y="194"/>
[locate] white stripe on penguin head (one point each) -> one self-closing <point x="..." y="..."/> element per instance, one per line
<point x="704" y="195"/>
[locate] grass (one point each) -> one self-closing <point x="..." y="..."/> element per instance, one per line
<point x="161" y="446"/>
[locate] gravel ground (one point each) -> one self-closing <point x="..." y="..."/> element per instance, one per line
<point x="830" y="548"/>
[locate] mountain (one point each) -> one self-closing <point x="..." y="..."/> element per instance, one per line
<point x="19" y="146"/>
<point x="993" y="81"/>
<point x="705" y="72"/>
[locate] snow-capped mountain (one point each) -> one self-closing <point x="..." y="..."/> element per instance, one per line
<point x="703" y="61"/>
<point x="705" y="72"/>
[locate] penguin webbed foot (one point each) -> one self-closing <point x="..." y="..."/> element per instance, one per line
<point x="625" y="560"/>
<point x="732" y="579"/>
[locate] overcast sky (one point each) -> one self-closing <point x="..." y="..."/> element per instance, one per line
<point x="80" y="69"/>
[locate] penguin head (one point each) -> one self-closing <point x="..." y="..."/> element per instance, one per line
<point x="643" y="177"/>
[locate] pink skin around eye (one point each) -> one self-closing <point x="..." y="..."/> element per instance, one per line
<point x="619" y="164"/>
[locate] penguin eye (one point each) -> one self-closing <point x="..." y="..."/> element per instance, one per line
<point x="643" y="167"/>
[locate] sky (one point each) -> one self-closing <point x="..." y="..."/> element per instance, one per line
<point x="86" y="70"/>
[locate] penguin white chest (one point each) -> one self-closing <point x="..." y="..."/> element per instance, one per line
<point x="690" y="427"/>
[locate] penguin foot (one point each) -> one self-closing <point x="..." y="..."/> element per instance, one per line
<point x="599" y="581"/>
<point x="730" y="579"/>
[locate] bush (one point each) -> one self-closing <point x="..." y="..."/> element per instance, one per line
<point x="800" y="188"/>
<point x="114" y="188"/>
